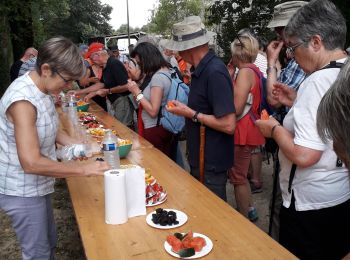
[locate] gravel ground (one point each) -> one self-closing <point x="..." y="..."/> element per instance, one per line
<point x="69" y="242"/>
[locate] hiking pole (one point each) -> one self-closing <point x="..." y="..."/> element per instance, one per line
<point x="274" y="191"/>
<point x="201" y="153"/>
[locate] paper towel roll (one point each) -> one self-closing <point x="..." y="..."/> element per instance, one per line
<point x="116" y="211"/>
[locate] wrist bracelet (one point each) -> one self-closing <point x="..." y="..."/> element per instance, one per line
<point x="273" y="129"/>
<point x="271" y="68"/>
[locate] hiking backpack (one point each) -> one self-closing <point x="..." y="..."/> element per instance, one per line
<point x="178" y="91"/>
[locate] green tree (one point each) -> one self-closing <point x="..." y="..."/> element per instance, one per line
<point x="169" y="12"/>
<point x="230" y="16"/>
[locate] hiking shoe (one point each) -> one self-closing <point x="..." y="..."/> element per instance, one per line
<point x="255" y="188"/>
<point x="253" y="214"/>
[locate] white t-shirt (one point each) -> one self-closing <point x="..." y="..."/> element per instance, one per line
<point x="323" y="184"/>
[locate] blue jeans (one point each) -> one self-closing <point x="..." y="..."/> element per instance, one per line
<point x="33" y="222"/>
<point x="213" y="180"/>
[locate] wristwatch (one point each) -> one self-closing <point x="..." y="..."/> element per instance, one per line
<point x="195" y="117"/>
<point x="139" y="97"/>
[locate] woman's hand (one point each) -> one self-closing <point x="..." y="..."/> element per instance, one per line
<point x="265" y="126"/>
<point x="273" y="50"/>
<point x="133" y="88"/>
<point x="179" y="109"/>
<point x="96" y="168"/>
<point x="283" y="94"/>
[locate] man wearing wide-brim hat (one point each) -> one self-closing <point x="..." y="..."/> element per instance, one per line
<point x="210" y="104"/>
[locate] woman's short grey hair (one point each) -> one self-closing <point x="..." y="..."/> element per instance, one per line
<point x="333" y="115"/>
<point x="319" y="17"/>
<point x="62" y="55"/>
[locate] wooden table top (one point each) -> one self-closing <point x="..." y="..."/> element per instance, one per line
<point x="234" y="236"/>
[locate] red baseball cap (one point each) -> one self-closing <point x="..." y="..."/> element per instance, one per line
<point x="94" y="47"/>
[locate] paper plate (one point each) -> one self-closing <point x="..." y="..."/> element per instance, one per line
<point x="181" y="217"/>
<point x="206" y="250"/>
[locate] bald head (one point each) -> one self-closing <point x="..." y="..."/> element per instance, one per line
<point x="29" y="53"/>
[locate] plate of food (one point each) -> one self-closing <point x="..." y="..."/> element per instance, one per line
<point x="155" y="194"/>
<point x="166" y="218"/>
<point x="188" y="245"/>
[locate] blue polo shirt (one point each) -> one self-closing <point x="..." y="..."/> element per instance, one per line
<point x="211" y="93"/>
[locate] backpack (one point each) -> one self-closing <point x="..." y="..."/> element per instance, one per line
<point x="178" y="91"/>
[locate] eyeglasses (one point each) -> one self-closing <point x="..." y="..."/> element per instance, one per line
<point x="291" y="49"/>
<point x="63" y="78"/>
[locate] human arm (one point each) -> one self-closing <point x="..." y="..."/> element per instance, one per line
<point x="151" y="106"/>
<point x="272" y="52"/>
<point x="23" y="115"/>
<point x="299" y="155"/>
<point x="92" y="88"/>
<point x="226" y="123"/>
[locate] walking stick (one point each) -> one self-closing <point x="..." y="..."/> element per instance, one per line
<point x="274" y="191"/>
<point x="201" y="153"/>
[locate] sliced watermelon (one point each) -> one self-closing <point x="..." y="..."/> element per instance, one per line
<point x="198" y="243"/>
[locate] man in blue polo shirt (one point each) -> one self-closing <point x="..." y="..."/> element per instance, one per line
<point x="210" y="103"/>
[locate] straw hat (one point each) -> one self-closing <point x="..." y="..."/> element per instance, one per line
<point x="188" y="34"/>
<point x="283" y="12"/>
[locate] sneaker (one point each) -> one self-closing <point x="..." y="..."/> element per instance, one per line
<point x="255" y="188"/>
<point x="253" y="214"/>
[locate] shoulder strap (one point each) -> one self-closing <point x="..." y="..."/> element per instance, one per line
<point x="160" y="108"/>
<point x="332" y="65"/>
<point x="260" y="76"/>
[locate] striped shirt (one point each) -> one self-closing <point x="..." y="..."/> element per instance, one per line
<point x="13" y="180"/>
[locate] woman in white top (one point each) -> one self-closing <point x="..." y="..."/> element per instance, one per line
<point x="316" y="202"/>
<point x="28" y="133"/>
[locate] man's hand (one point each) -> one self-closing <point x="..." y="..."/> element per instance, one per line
<point x="283" y="94"/>
<point x="272" y="52"/>
<point x="179" y="109"/>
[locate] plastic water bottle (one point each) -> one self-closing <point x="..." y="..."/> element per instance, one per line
<point x="111" y="149"/>
<point x="72" y="110"/>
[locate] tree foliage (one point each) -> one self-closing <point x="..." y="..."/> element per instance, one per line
<point x="169" y="12"/>
<point x="29" y="23"/>
<point x="230" y="16"/>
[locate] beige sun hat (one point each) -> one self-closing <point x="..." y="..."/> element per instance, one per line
<point x="283" y="12"/>
<point x="188" y="34"/>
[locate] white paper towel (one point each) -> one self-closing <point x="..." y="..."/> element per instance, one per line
<point x="115" y="197"/>
<point x="135" y="191"/>
<point x="125" y="194"/>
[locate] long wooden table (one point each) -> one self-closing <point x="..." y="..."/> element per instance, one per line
<point x="234" y="237"/>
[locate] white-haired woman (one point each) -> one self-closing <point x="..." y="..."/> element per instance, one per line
<point x="314" y="218"/>
<point x="28" y="133"/>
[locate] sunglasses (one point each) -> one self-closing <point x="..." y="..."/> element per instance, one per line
<point x="239" y="40"/>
